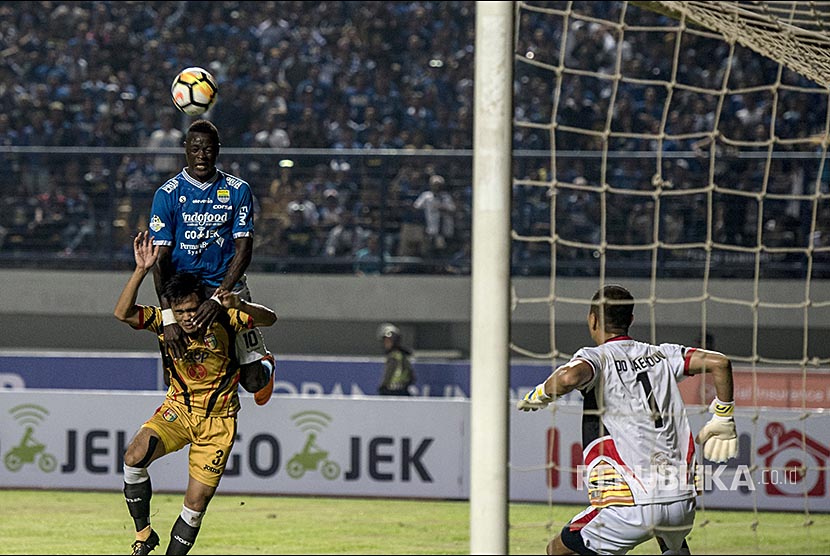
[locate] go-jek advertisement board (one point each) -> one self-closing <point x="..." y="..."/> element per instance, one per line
<point x="782" y="461"/>
<point x="302" y="445"/>
<point x="391" y="447"/>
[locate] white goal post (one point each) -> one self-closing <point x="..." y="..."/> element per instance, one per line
<point x="490" y="318"/>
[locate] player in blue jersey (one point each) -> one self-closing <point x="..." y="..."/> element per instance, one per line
<point x="202" y="220"/>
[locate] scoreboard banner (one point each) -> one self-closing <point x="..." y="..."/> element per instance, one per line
<point x="383" y="446"/>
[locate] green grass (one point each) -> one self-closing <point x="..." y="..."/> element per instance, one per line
<point x="61" y="522"/>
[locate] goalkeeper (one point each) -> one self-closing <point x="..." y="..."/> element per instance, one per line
<point x="637" y="443"/>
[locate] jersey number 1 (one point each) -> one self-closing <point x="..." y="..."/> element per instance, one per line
<point x="642" y="378"/>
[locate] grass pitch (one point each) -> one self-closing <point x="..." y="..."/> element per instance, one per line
<point x="61" y="522"/>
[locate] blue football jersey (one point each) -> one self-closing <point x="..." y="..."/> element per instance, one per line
<point x="200" y="221"/>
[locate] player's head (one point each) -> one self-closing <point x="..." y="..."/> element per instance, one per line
<point x="185" y="292"/>
<point x="612" y="311"/>
<point x="201" y="149"/>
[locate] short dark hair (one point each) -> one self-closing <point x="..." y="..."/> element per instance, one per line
<point x="182" y="285"/>
<point x="204" y="126"/>
<point x="617" y="308"/>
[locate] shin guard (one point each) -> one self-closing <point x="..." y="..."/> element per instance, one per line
<point x="182" y="537"/>
<point x="138" y="502"/>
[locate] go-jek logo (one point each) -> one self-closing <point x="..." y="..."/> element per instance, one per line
<point x="365" y="458"/>
<point x="312" y="457"/>
<point x="29" y="450"/>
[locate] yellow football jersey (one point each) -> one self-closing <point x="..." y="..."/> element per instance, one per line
<point x="205" y="380"/>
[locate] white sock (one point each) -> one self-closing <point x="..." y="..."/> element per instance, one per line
<point x="135" y="475"/>
<point x="192" y="518"/>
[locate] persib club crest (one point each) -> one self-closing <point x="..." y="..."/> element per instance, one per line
<point x="223" y="195"/>
<point x="156" y="224"/>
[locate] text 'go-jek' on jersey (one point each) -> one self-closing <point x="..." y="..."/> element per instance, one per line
<point x="200" y="221"/>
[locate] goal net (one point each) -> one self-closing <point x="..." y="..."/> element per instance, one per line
<point x="680" y="149"/>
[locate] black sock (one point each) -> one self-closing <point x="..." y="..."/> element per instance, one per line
<point x="182" y="537"/>
<point x="138" y="502"/>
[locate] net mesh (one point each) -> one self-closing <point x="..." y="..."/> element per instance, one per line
<point x="680" y="147"/>
<point x="793" y="33"/>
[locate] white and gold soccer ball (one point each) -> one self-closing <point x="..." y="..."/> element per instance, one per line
<point x="194" y="91"/>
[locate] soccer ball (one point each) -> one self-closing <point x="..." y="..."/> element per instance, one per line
<point x="194" y="91"/>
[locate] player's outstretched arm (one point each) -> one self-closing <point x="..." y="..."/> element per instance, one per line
<point x="262" y="315"/>
<point x="145" y="254"/>
<point x="718" y="437"/>
<point x="174" y="341"/>
<point x="564" y="379"/>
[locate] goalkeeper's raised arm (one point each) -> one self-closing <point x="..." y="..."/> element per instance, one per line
<point x="718" y="437"/>
<point x="716" y="364"/>
<point x="564" y="379"/>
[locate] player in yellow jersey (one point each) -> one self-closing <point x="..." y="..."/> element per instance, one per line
<point x="202" y="402"/>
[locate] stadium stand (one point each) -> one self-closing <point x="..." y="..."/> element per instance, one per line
<point x="84" y="90"/>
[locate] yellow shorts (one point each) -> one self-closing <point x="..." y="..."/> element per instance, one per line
<point x="210" y="439"/>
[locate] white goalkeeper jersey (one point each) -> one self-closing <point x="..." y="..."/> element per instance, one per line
<point x="637" y="442"/>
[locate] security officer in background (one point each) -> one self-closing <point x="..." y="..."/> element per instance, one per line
<point x="398" y="374"/>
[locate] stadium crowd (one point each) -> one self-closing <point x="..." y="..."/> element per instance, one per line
<point x="88" y="82"/>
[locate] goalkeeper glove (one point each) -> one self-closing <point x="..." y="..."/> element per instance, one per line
<point x="718" y="436"/>
<point x="535" y="399"/>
